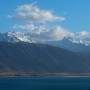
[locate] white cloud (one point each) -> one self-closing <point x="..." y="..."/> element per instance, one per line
<point x="33" y="13"/>
<point x="35" y="20"/>
<point x="24" y="27"/>
<point x="58" y="33"/>
<point x="32" y="28"/>
<point x="55" y="33"/>
<point x="84" y="33"/>
<point x="44" y="33"/>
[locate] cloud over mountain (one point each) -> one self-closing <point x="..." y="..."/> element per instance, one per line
<point x="37" y="21"/>
<point x="34" y="13"/>
<point x="41" y="24"/>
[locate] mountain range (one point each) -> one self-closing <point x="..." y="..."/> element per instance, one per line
<point x="20" y="53"/>
<point x="77" y="42"/>
<point x="30" y="57"/>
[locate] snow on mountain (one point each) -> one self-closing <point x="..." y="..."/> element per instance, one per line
<point x="79" y="41"/>
<point x="15" y="37"/>
<point x="78" y="38"/>
<point x="81" y="38"/>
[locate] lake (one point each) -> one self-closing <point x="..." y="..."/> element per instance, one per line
<point x="44" y="83"/>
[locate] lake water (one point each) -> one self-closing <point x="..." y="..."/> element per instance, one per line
<point x="44" y="83"/>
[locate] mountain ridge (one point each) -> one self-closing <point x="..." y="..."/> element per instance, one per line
<point x="68" y="43"/>
<point x="40" y="58"/>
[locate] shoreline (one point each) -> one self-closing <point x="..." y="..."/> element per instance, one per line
<point x="14" y="74"/>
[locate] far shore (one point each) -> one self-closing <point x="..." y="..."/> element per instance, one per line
<point x="29" y="74"/>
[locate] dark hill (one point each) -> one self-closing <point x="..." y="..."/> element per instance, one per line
<point x="26" y="57"/>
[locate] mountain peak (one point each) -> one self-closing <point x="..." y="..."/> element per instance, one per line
<point x="15" y="37"/>
<point x="74" y="41"/>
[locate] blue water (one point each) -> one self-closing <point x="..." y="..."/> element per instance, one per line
<point x="45" y="83"/>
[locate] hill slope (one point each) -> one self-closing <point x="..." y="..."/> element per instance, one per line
<point x="26" y="57"/>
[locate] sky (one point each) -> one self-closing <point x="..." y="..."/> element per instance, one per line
<point x="73" y="15"/>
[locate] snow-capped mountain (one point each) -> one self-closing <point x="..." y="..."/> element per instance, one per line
<point x="14" y="37"/>
<point x="81" y="38"/>
<point x="75" y="42"/>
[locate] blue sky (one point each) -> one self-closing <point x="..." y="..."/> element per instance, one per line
<point x="76" y="12"/>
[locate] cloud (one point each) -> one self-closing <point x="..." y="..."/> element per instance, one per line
<point x="53" y="34"/>
<point x="58" y="33"/>
<point x="24" y="27"/>
<point x="84" y="33"/>
<point x="44" y="33"/>
<point x="35" y="20"/>
<point x="31" y="28"/>
<point x="32" y="12"/>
